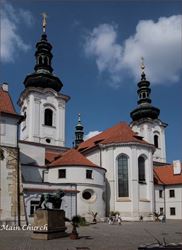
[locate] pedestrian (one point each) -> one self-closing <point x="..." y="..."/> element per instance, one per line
<point x="119" y="220"/>
<point x="163" y="219"/>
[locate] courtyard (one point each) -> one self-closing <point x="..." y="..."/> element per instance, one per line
<point x="100" y="236"/>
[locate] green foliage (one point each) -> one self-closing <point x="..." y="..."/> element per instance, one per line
<point x="77" y="221"/>
<point x="114" y="213"/>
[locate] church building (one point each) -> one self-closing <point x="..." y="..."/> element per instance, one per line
<point x="121" y="169"/>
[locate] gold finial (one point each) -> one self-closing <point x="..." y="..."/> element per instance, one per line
<point x="142" y="64"/>
<point x="44" y="21"/>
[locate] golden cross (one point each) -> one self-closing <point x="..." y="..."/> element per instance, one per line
<point x="44" y="21"/>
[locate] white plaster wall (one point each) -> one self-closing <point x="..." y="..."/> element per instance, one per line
<point x="95" y="204"/>
<point x="32" y="154"/>
<point x="34" y="102"/>
<point x="8" y="131"/>
<point x="166" y="202"/>
<point x="147" y="129"/>
<point x="95" y="157"/>
<point x="138" y="193"/>
<point x="77" y="174"/>
<point x="32" y="174"/>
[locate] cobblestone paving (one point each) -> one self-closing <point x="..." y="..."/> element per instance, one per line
<point x="101" y="236"/>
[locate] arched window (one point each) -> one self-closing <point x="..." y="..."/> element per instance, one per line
<point x="141" y="169"/>
<point x="123" y="190"/>
<point x="48" y="117"/>
<point x="45" y="60"/>
<point x="40" y="60"/>
<point x="156" y="141"/>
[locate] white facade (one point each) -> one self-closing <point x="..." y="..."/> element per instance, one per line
<point x="95" y="187"/>
<point x="34" y="102"/>
<point x="75" y="181"/>
<point x="140" y="198"/>
<point x="39" y="178"/>
<point x="152" y="131"/>
<point x="168" y="200"/>
<point x="8" y="130"/>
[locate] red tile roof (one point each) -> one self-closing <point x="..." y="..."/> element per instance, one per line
<point x="72" y="158"/>
<point x="51" y="155"/>
<point x="120" y="133"/>
<point x="164" y="175"/>
<point x="6" y="104"/>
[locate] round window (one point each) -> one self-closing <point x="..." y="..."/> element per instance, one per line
<point x="86" y="195"/>
<point x="48" y="140"/>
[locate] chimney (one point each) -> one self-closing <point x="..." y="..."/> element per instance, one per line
<point x="176" y="167"/>
<point x="5" y="86"/>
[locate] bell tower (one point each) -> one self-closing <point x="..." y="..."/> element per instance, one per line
<point x="79" y="133"/>
<point x="145" y="119"/>
<point x="41" y="103"/>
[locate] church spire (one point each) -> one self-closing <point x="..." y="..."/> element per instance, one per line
<point x="79" y="132"/>
<point x="144" y="109"/>
<point x="144" y="87"/>
<point x="43" y="77"/>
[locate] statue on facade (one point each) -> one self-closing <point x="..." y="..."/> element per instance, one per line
<point x="54" y="198"/>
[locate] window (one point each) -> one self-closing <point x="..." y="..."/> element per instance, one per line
<point x="89" y="195"/>
<point x="171" y="193"/>
<point x="86" y="195"/>
<point x="123" y="190"/>
<point x="48" y="140"/>
<point x="33" y="207"/>
<point x="45" y="61"/>
<point x="89" y="174"/>
<point x="156" y="141"/>
<point x="141" y="169"/>
<point x="160" y="193"/>
<point x="40" y="60"/>
<point x="161" y="210"/>
<point x="172" y="211"/>
<point x="48" y="117"/>
<point x="62" y="173"/>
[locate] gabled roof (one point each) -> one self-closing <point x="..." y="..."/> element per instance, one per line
<point x="164" y="175"/>
<point x="72" y="158"/>
<point x="120" y="133"/>
<point x="6" y="104"/>
<point x="51" y="155"/>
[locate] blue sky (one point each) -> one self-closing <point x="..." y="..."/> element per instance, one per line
<point x="97" y="46"/>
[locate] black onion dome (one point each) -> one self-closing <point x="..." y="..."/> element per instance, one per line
<point x="43" y="80"/>
<point x="43" y="77"/>
<point x="144" y="109"/>
<point x="145" y="112"/>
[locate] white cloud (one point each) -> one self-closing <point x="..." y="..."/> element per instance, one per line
<point x="158" y="42"/>
<point x="101" y="43"/>
<point x="26" y="16"/>
<point x="91" y="134"/>
<point x="11" y="41"/>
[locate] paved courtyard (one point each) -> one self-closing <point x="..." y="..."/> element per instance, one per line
<point x="101" y="236"/>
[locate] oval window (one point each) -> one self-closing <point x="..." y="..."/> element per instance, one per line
<point x="86" y="195"/>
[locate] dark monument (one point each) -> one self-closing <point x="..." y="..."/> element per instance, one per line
<point x="49" y="223"/>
